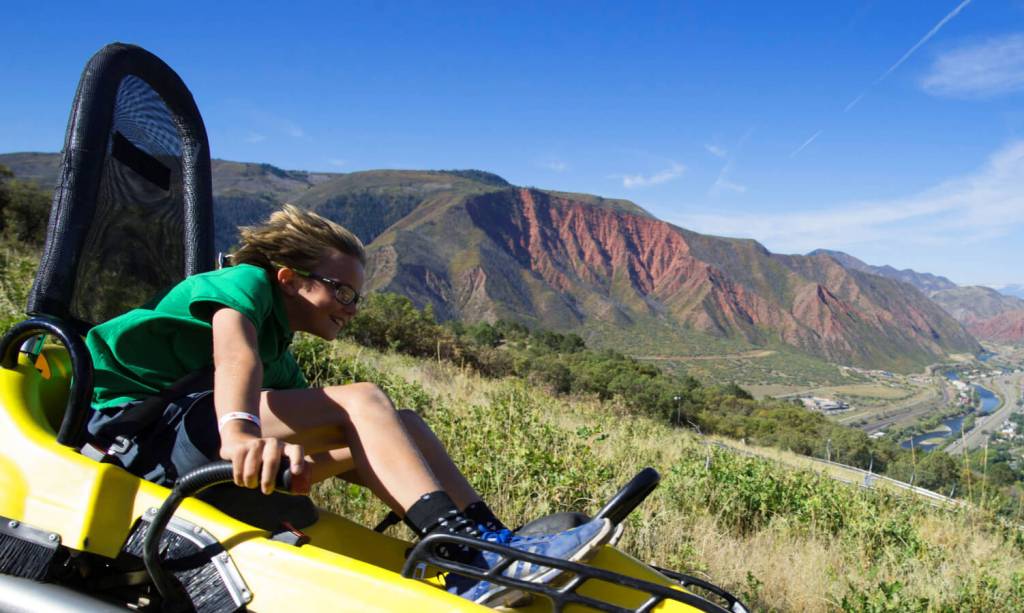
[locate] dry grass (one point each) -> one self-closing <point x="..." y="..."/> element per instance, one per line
<point x="871" y="390"/>
<point x="772" y="390"/>
<point x="797" y="573"/>
<point x="784" y="563"/>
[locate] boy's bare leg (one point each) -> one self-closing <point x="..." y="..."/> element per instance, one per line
<point x="340" y="463"/>
<point x="449" y="475"/>
<point x="334" y="463"/>
<point x="360" y="417"/>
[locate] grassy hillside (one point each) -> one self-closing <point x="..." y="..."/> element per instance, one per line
<point x="784" y="539"/>
<point x="787" y="540"/>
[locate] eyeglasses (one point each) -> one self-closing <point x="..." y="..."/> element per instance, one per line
<point x="343" y="292"/>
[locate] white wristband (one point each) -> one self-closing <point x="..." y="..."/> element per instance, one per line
<point x="238" y="415"/>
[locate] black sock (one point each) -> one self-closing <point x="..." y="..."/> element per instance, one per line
<point x="436" y="513"/>
<point x="481" y="514"/>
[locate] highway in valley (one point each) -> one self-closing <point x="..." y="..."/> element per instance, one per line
<point x="1008" y="387"/>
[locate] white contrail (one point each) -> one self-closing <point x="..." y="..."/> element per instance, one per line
<point x="910" y="52"/>
<point x="854" y="102"/>
<point x="923" y="40"/>
<point x="806" y="143"/>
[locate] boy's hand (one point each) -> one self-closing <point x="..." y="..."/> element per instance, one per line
<point x="256" y="460"/>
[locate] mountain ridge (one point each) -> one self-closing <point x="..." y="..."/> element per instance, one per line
<point x="616" y="268"/>
<point x="477" y="248"/>
<point x="987" y="313"/>
<point x="923" y="281"/>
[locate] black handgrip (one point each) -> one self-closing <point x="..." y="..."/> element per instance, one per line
<point x="187" y="485"/>
<point x="630" y="496"/>
<point x="77" y="410"/>
<point x="219" y="472"/>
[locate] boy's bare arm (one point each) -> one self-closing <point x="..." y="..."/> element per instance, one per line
<point x="238" y="370"/>
<point x="238" y="375"/>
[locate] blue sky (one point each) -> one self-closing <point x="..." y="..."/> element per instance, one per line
<point x="893" y="131"/>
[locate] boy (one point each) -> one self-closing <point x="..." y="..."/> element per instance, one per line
<point x="297" y="272"/>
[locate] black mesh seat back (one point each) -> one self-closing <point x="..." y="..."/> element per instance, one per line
<point x="133" y="211"/>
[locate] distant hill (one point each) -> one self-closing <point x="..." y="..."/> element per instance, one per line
<point x="975" y="302"/>
<point x="923" y="281"/>
<point x="986" y="313"/>
<point x="1006" y="327"/>
<point x="1014" y="289"/>
<point x="477" y="248"/>
<point x="38" y="167"/>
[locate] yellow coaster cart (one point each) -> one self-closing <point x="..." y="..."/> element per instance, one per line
<point x="133" y="214"/>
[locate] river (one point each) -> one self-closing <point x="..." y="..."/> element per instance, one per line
<point x="953" y="425"/>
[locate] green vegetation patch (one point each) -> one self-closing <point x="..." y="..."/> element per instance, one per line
<point x="744" y="522"/>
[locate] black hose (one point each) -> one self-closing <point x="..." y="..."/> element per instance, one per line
<point x="77" y="410"/>
<point x="189" y="484"/>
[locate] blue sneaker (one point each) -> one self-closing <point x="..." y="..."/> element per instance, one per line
<point x="575" y="545"/>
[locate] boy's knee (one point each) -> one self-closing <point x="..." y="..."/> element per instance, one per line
<point x="364" y="397"/>
<point x="371" y="393"/>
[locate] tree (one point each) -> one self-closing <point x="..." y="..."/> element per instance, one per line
<point x="24" y="209"/>
<point x="484" y="334"/>
<point x="1000" y="474"/>
<point x="392" y="322"/>
<point x="937" y="471"/>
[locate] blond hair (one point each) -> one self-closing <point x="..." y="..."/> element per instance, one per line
<point x="295" y="238"/>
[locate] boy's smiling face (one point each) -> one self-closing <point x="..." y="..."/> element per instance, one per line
<point x="312" y="305"/>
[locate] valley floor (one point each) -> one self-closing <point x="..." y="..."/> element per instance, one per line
<point x="888" y="403"/>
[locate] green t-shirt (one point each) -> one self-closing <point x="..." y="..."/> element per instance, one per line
<point x="146" y="350"/>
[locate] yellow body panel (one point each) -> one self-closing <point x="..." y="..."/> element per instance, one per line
<point x="93" y="507"/>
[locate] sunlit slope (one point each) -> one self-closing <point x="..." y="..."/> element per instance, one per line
<point x="986" y="313"/>
<point x="785" y="539"/>
<point x="926" y="282"/>
<point x="561" y="262"/>
<point x="477" y="248"/>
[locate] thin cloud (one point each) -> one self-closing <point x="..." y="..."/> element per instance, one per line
<point x="716" y="151"/>
<point x="255" y="137"/>
<point x="862" y="10"/>
<point x="275" y="124"/>
<point x="337" y="163"/>
<point x="728" y="186"/>
<point x="975" y="208"/>
<point x="292" y="129"/>
<point x="993" y="67"/>
<point x="674" y="171"/>
<point x="723" y="182"/>
<point x="806" y="143"/>
<point x="556" y="165"/>
<point x="924" y="39"/>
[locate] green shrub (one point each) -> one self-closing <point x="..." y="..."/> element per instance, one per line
<point x="563" y="364"/>
<point x="887" y="597"/>
<point x="747" y="494"/>
<point x="24" y="209"/>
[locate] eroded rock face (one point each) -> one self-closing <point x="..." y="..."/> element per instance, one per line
<point x="986" y="313"/>
<point x="647" y="266"/>
<point x="1006" y="327"/>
